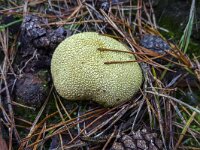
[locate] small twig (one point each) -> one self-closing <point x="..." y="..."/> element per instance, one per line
<point x="185" y="129"/>
<point x="26" y="63"/>
<point x="115" y="50"/>
<point x="39" y="136"/>
<point x="119" y="62"/>
<point x="138" y="111"/>
<point x="68" y="122"/>
<point x="63" y="107"/>
<point x="61" y="116"/>
<point x="9" y="101"/>
<point x="24" y="121"/>
<point x="110" y="138"/>
<point x="60" y="131"/>
<point x="61" y="142"/>
<point x="24" y="106"/>
<point x="118" y="115"/>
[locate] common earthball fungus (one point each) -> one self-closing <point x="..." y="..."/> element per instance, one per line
<point x="79" y="71"/>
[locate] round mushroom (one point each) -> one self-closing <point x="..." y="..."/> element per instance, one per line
<point x="79" y="70"/>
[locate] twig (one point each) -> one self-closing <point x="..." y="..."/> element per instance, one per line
<point x="9" y="101"/>
<point x="110" y="138"/>
<point x="26" y="63"/>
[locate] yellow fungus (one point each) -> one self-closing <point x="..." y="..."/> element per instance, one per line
<point x="79" y="71"/>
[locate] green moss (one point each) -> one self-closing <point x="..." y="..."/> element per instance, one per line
<point x="79" y="72"/>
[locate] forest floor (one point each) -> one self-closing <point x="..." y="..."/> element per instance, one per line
<point x="164" y="114"/>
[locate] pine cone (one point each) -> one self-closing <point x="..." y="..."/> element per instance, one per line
<point x="154" y="43"/>
<point x="140" y="140"/>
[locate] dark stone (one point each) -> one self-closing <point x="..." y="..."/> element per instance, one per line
<point x="31" y="90"/>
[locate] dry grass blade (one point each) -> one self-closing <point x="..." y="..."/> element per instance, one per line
<point x="185" y="129"/>
<point x="40" y="136"/>
<point x="21" y="105"/>
<point x="108" y="141"/>
<point x="176" y="100"/>
<point x="32" y="129"/>
<point x="183" y="120"/>
<point x="61" y="131"/>
<point x="66" y="112"/>
<point x="71" y="123"/>
<point x="4" y="69"/>
<point x="61" y="116"/>
<point x="116" y="117"/>
<point x="113" y="24"/>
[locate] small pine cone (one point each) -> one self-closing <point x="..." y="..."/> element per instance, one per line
<point x="154" y="43"/>
<point x="140" y="140"/>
